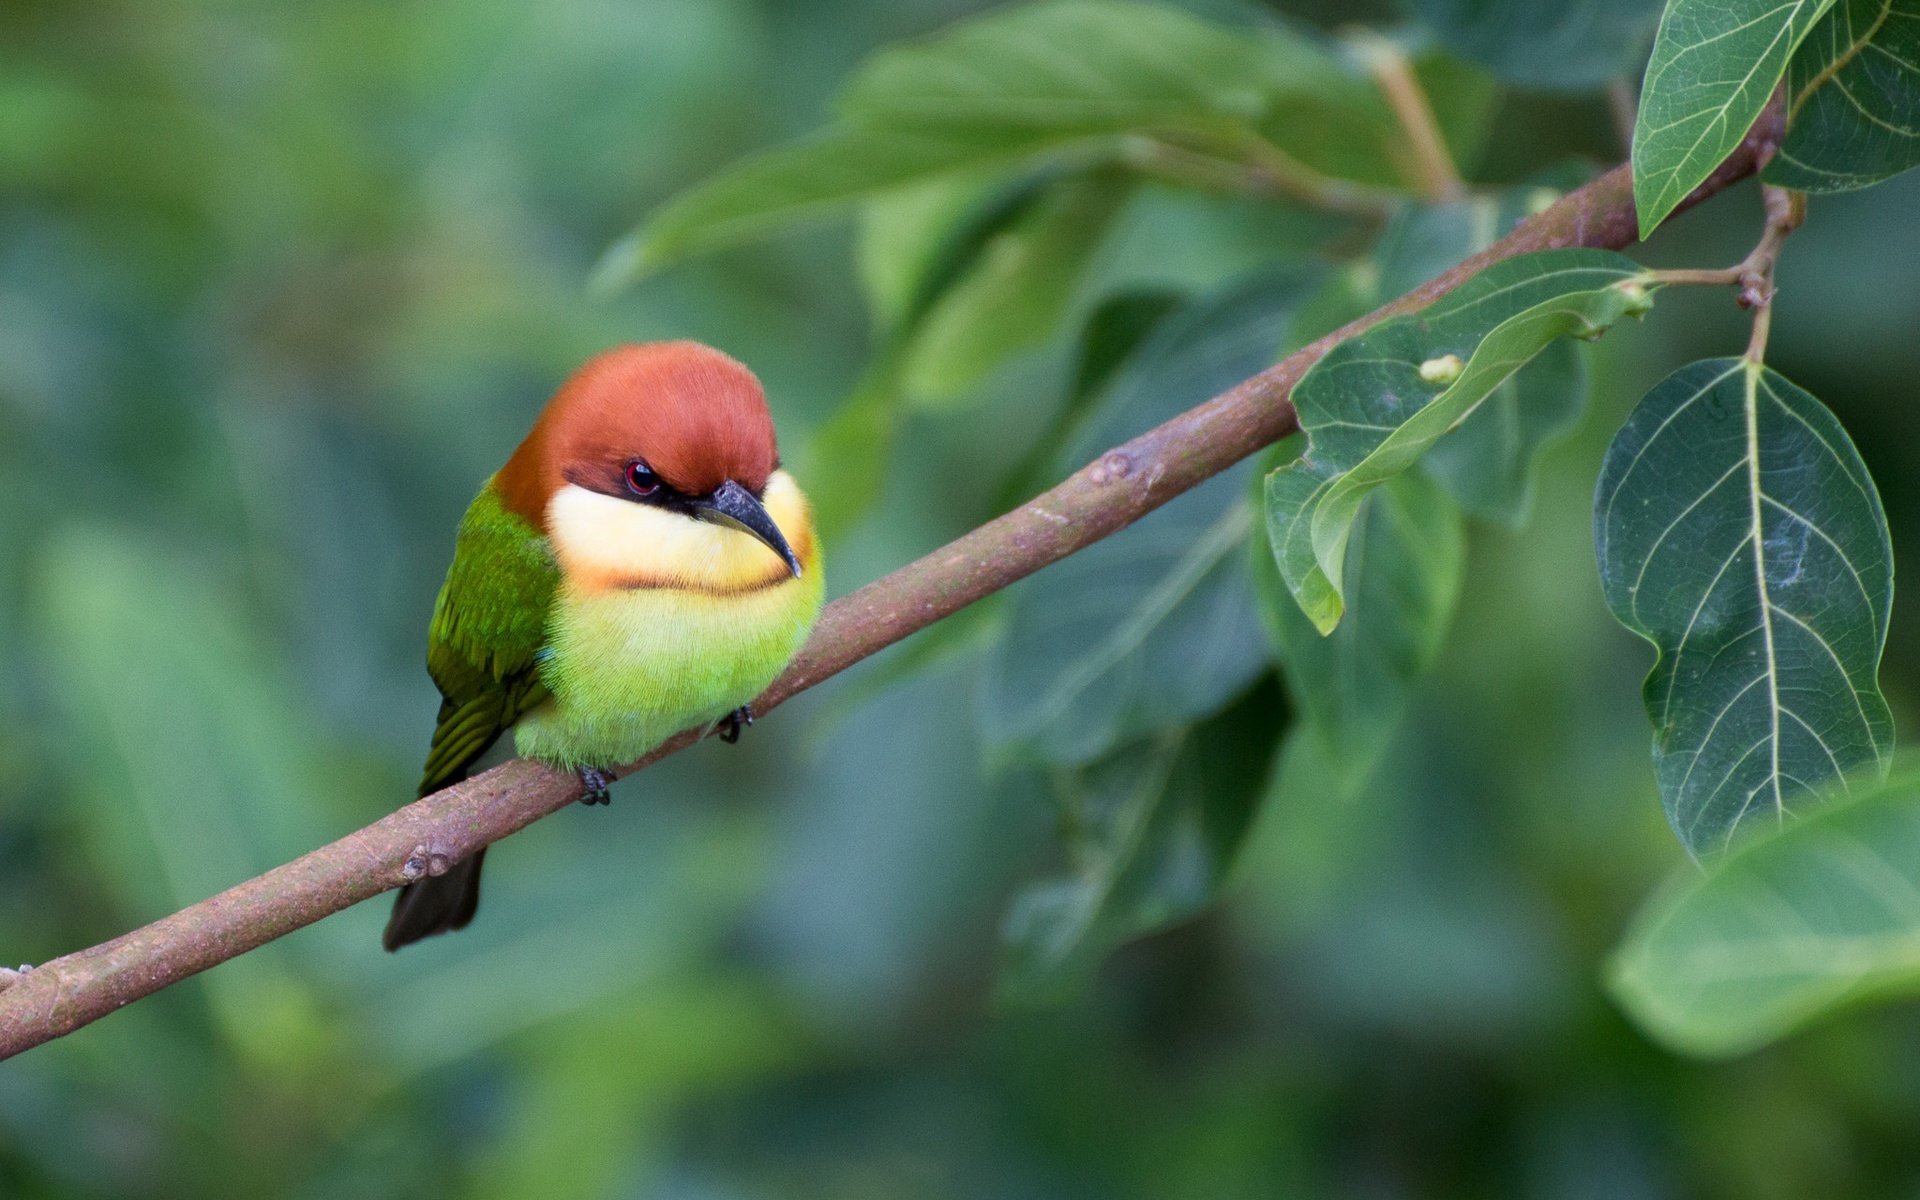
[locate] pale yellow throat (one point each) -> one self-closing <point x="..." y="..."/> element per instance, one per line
<point x="606" y="542"/>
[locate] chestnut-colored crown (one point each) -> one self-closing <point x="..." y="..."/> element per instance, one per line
<point x="693" y="414"/>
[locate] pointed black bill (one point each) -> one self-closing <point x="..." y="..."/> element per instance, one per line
<point x="735" y="507"/>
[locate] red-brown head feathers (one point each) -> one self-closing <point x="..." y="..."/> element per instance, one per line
<point x="694" y="415"/>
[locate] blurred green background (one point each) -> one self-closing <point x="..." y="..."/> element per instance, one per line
<point x="281" y="284"/>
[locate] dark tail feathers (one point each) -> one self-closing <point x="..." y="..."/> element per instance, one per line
<point x="436" y="904"/>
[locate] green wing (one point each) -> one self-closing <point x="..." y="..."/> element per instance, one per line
<point x="488" y="626"/>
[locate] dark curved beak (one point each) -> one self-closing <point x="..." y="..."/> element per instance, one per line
<point x="735" y="507"/>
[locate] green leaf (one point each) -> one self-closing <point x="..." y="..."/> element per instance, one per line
<point x="845" y="461"/>
<point x="1715" y="63"/>
<point x="1377" y="402"/>
<point x="913" y="240"/>
<point x="1087" y="66"/>
<point x="1739" y="532"/>
<point x="1064" y="80"/>
<point x="1152" y="831"/>
<point x="920" y="247"/>
<point x="1821" y="916"/>
<point x="1551" y="45"/>
<point x="1154" y="627"/>
<point x="1489" y="463"/>
<point x="205" y="769"/>
<point x="1854" y="107"/>
<point x="1404" y="568"/>
<point x="806" y="180"/>
<point x="1016" y="291"/>
<point x="1113" y="332"/>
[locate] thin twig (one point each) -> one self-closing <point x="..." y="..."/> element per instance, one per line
<point x="1785" y="212"/>
<point x="1112" y="492"/>
<point x="1753" y="275"/>
<point x="1255" y="167"/>
<point x="1437" y="175"/>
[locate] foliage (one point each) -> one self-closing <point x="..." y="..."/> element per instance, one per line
<point x="1740" y="533"/>
<point x="1185" y="868"/>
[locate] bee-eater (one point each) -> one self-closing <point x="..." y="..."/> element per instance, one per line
<point x="641" y="565"/>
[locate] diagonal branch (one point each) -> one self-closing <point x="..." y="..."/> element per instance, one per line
<point x="1100" y="499"/>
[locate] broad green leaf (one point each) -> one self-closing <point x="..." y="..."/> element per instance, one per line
<point x="1055" y="81"/>
<point x="1488" y="464"/>
<point x="806" y="180"/>
<point x="1715" y="63"/>
<point x="1379" y="401"/>
<point x="1404" y="568"/>
<point x="1081" y="66"/>
<point x="908" y="238"/>
<point x="1738" y="531"/>
<point x="1152" y="831"/>
<point x="1853" y="92"/>
<point x="1016" y="291"/>
<point x="1821" y="916"/>
<point x="1154" y="627"/>
<point x="1552" y="45"/>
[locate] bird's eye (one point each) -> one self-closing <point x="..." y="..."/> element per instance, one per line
<point x="641" y="480"/>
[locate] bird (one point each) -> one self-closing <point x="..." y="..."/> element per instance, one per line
<point x="641" y="565"/>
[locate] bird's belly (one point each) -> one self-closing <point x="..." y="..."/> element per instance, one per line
<point x="629" y="668"/>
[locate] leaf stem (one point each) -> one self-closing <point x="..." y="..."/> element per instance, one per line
<point x="1785" y="211"/>
<point x="1691" y="277"/>
<point x="1753" y="275"/>
<point x="1436" y="175"/>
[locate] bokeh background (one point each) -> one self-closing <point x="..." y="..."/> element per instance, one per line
<point x="281" y="284"/>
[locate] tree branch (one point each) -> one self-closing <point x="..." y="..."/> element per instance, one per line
<point x="1100" y="499"/>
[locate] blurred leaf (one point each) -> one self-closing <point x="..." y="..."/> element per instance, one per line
<point x="1404" y="570"/>
<point x="1152" y="831"/>
<point x="1739" y="532"/>
<point x="1854" y="99"/>
<point x="906" y="234"/>
<point x="201" y="764"/>
<point x="1790" y="927"/>
<point x="1154" y="627"/>
<point x="1016" y="291"/>
<point x="1078" y="66"/>
<point x="1109" y="644"/>
<point x="1552" y="45"/>
<point x="1113" y="332"/>
<point x="605" y="1086"/>
<point x="845" y="461"/>
<point x="1714" y="65"/>
<point x="1378" y="401"/>
<point x="1058" y="78"/>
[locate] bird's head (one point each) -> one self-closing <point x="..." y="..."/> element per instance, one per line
<point x="655" y="466"/>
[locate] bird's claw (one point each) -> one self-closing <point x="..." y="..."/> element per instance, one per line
<point x="740" y="718"/>
<point x="597" y="782"/>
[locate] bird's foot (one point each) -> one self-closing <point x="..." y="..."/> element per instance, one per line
<point x="597" y="783"/>
<point x="734" y="722"/>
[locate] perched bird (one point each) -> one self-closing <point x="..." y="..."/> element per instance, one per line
<point x="641" y="565"/>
